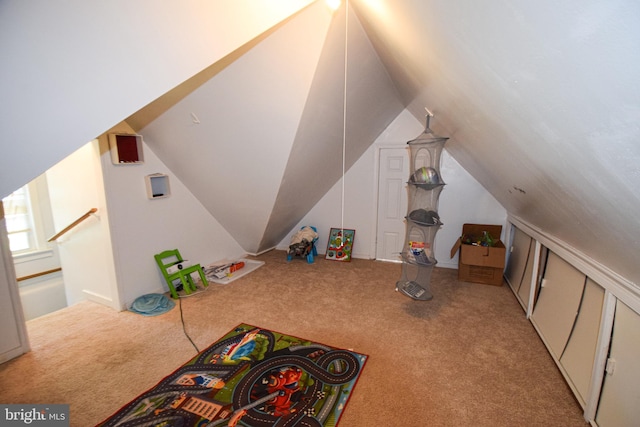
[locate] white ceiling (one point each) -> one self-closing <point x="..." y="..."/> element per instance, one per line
<point x="270" y="132"/>
<point x="542" y="103"/>
<point x="540" y="100"/>
<point x="73" y="70"/>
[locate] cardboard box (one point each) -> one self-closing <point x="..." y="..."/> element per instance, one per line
<point x="480" y="264"/>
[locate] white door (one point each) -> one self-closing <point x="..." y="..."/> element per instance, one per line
<point x="518" y="259"/>
<point x="580" y="353"/>
<point x="392" y="202"/>
<point x="619" y="402"/>
<point x="557" y="307"/>
<point x="13" y="335"/>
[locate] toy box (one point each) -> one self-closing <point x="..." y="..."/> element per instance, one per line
<point x="482" y="254"/>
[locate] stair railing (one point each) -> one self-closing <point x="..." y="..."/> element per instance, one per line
<point x="42" y="273"/>
<point x="73" y="224"/>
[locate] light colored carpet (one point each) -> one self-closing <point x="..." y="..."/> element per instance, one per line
<point x="469" y="357"/>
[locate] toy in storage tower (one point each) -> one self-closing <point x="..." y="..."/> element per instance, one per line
<point x="422" y="220"/>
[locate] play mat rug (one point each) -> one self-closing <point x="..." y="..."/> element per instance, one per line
<point x="251" y="377"/>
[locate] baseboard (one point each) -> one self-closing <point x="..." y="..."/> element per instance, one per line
<point x="445" y="264"/>
<point x="363" y="255"/>
<point x="100" y="299"/>
<point x="263" y="252"/>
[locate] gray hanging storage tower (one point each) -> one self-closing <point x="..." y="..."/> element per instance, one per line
<point x="422" y="220"/>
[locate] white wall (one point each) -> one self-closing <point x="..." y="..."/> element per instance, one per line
<point x="142" y="227"/>
<point x="359" y="209"/>
<point x="248" y="117"/>
<point x="76" y="68"/>
<point x="463" y="199"/>
<point x="108" y="258"/>
<point x="42" y="295"/>
<point x="75" y="187"/>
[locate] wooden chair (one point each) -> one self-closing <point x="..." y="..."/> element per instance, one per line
<point x="170" y="263"/>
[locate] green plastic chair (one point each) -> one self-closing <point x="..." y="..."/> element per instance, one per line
<point x="171" y="258"/>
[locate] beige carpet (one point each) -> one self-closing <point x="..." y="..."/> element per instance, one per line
<point x="467" y="358"/>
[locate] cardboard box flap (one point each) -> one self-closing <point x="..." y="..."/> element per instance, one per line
<point x="483" y="256"/>
<point x="477" y="229"/>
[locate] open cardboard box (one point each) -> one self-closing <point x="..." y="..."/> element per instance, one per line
<point x="480" y="264"/>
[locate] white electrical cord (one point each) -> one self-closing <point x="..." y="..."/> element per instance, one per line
<point x="344" y="109"/>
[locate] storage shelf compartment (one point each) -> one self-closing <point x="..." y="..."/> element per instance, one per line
<point x="414" y="290"/>
<point x="424" y="218"/>
<point x="420" y="261"/>
<point x="415" y="276"/>
<point x="126" y="149"/>
<point x="426" y="150"/>
<point x="423" y="199"/>
<point x="419" y="245"/>
<point x="426" y="186"/>
<point x="157" y="186"/>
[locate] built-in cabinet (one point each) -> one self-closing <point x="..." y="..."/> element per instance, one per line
<point x="619" y="403"/>
<point x="579" y="353"/>
<point x="523" y="269"/>
<point x="592" y="335"/>
<point x="558" y="304"/>
<point x="519" y="251"/>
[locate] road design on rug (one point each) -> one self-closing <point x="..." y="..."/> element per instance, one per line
<point x="251" y="377"/>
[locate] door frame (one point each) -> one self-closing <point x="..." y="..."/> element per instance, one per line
<point x="8" y="280"/>
<point x="376" y="184"/>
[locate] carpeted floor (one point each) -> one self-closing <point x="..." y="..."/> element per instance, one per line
<point x="467" y="358"/>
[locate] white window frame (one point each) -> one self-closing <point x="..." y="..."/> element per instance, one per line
<point x="38" y="245"/>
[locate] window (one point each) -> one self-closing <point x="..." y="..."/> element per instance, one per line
<point x="28" y="218"/>
<point x="19" y="218"/>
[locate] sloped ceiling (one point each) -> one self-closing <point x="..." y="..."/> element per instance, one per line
<point x="269" y="131"/>
<point x="542" y="103"/>
<point x="72" y="70"/>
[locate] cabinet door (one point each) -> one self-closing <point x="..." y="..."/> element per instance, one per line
<point x="527" y="277"/>
<point x="518" y="256"/>
<point x="620" y="398"/>
<point x="557" y="307"/>
<point x="578" y="358"/>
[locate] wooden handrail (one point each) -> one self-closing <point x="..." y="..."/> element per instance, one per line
<point x="42" y="273"/>
<point x="73" y="224"/>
